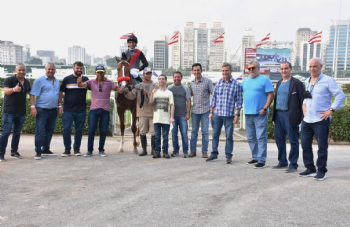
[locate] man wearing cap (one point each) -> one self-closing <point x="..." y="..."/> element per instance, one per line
<point x="14" y="110"/>
<point x="44" y="93"/>
<point x="144" y="109"/>
<point x="74" y="109"/>
<point x="101" y="89"/>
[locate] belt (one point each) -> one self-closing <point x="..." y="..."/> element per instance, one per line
<point x="48" y="109"/>
<point x="282" y="110"/>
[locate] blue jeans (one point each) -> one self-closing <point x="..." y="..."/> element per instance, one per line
<point x="181" y="123"/>
<point x="321" y="131"/>
<point x="218" y="121"/>
<point x="256" y="130"/>
<point x="283" y="128"/>
<point x="17" y="120"/>
<point x="158" y="128"/>
<point x="67" y="121"/>
<point x="204" y="120"/>
<point x="100" y="117"/>
<point x="45" y="124"/>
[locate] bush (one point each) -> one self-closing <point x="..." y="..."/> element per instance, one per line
<point x="29" y="124"/>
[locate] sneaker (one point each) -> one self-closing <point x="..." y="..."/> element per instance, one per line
<point x="88" y="154"/>
<point x="252" y="162"/>
<point x="186" y="155"/>
<point x="307" y="173"/>
<point x="2" y="158"/>
<point x="16" y="155"/>
<point x="211" y="159"/>
<point x="175" y="154"/>
<point x="166" y="155"/>
<point x="228" y="160"/>
<point x="103" y="154"/>
<point x="77" y="153"/>
<point x="278" y="166"/>
<point x="259" y="166"/>
<point x="290" y="170"/>
<point x="47" y="153"/>
<point x="320" y="176"/>
<point x="65" y="154"/>
<point x="156" y="154"/>
<point x="37" y="156"/>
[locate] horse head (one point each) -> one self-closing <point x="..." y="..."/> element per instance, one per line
<point x="123" y="70"/>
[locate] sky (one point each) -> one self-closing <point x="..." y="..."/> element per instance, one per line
<point x="98" y="25"/>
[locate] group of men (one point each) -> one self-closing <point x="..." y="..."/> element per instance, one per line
<point x="159" y="107"/>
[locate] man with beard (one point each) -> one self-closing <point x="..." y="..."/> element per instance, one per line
<point x="74" y="109"/>
<point x="14" y="110"/>
<point x="144" y="109"/>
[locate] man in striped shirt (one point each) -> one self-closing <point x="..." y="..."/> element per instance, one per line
<point x="227" y="95"/>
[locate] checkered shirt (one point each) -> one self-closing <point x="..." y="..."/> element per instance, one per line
<point x="201" y="91"/>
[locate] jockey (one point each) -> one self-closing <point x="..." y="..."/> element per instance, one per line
<point x="136" y="56"/>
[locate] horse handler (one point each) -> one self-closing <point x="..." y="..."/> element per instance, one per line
<point x="144" y="109"/>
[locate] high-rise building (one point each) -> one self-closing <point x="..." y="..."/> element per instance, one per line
<point x="87" y="59"/>
<point x="302" y="34"/>
<point x="161" y="53"/>
<point x="46" y="53"/>
<point x="188" y="46"/>
<point x="10" y="53"/>
<point x="45" y="60"/>
<point x="176" y="52"/>
<point x="338" y="48"/>
<point x="248" y="41"/>
<point x="76" y="53"/>
<point x="308" y="51"/>
<point x="201" y="45"/>
<point x="216" y="50"/>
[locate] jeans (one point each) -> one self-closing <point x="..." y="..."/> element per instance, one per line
<point x="204" y="120"/>
<point x="218" y="121"/>
<point x="101" y="117"/>
<point x="180" y="123"/>
<point x="45" y="124"/>
<point x="256" y="130"/>
<point x="17" y="120"/>
<point x="283" y="128"/>
<point x="67" y="120"/>
<point x="158" y="127"/>
<point x="321" y="130"/>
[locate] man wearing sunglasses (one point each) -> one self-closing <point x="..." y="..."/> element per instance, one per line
<point x="258" y="95"/>
<point x="101" y="89"/>
<point x="16" y="89"/>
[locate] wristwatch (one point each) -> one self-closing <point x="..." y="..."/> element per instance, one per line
<point x="265" y="109"/>
<point x="331" y="109"/>
<point x="238" y="115"/>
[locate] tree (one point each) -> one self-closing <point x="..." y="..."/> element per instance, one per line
<point x="111" y="62"/>
<point x="36" y="61"/>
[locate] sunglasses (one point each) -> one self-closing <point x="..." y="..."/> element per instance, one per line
<point x="252" y="68"/>
<point x="100" y="88"/>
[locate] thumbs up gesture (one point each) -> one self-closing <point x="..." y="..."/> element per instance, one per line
<point x="18" y="88"/>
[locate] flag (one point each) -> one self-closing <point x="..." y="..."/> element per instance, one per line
<point x="126" y="35"/>
<point x="264" y="40"/>
<point x="155" y="74"/>
<point x="316" y="38"/>
<point x="174" y="39"/>
<point x="220" y="39"/>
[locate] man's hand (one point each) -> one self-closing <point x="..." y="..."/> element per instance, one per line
<point x="119" y="90"/>
<point x="235" y="120"/>
<point x="79" y="80"/>
<point x="262" y="112"/>
<point x="126" y="91"/>
<point x="187" y="117"/>
<point x="154" y="91"/>
<point x="145" y="92"/>
<point x="33" y="112"/>
<point x="172" y="120"/>
<point x="326" y="114"/>
<point x="211" y="116"/>
<point x="273" y="123"/>
<point x="18" y="88"/>
<point x="60" y="110"/>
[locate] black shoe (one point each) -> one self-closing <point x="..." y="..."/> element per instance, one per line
<point x="65" y="154"/>
<point x="16" y="155"/>
<point x="47" y="153"/>
<point x="259" y="166"/>
<point x="156" y="154"/>
<point x="211" y="159"/>
<point x="2" y="158"/>
<point x="166" y="155"/>
<point x="175" y="154"/>
<point x="320" y="176"/>
<point x="143" y="139"/>
<point x="77" y="153"/>
<point x="278" y="166"/>
<point x="252" y="162"/>
<point x="307" y="173"/>
<point x="37" y="156"/>
<point x="153" y="142"/>
<point x="229" y="160"/>
<point x="290" y="170"/>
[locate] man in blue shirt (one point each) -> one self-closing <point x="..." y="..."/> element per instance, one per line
<point x="44" y="93"/>
<point x="258" y="95"/>
<point x="227" y="94"/>
<point x="74" y="109"/>
<point x="287" y="115"/>
<point x="318" y="108"/>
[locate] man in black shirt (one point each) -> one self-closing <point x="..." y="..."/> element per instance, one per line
<point x="74" y="109"/>
<point x="16" y="89"/>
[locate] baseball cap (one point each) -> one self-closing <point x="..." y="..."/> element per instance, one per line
<point x="100" y="68"/>
<point x="147" y="70"/>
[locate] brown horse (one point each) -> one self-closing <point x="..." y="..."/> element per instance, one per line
<point x="124" y="104"/>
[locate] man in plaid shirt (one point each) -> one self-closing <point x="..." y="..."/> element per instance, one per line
<point x="227" y="94"/>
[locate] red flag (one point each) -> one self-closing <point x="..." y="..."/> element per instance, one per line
<point x="316" y="38"/>
<point x="264" y="40"/>
<point x="220" y="39"/>
<point x="174" y="39"/>
<point x="126" y="35"/>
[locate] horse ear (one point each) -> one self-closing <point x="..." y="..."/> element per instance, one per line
<point x="129" y="59"/>
<point x="117" y="59"/>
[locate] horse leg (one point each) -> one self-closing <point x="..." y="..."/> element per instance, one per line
<point x="122" y="128"/>
<point x="137" y="135"/>
<point x="133" y="129"/>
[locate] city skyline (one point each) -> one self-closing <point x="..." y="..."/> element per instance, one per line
<point x="101" y="35"/>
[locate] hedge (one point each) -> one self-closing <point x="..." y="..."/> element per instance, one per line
<point x="29" y="124"/>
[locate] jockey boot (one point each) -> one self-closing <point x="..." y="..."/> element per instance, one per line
<point x="139" y="79"/>
<point x="153" y="142"/>
<point x="144" y="145"/>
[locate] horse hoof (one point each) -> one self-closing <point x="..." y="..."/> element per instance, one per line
<point x="121" y="150"/>
<point x="138" y="144"/>
<point x="136" y="152"/>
